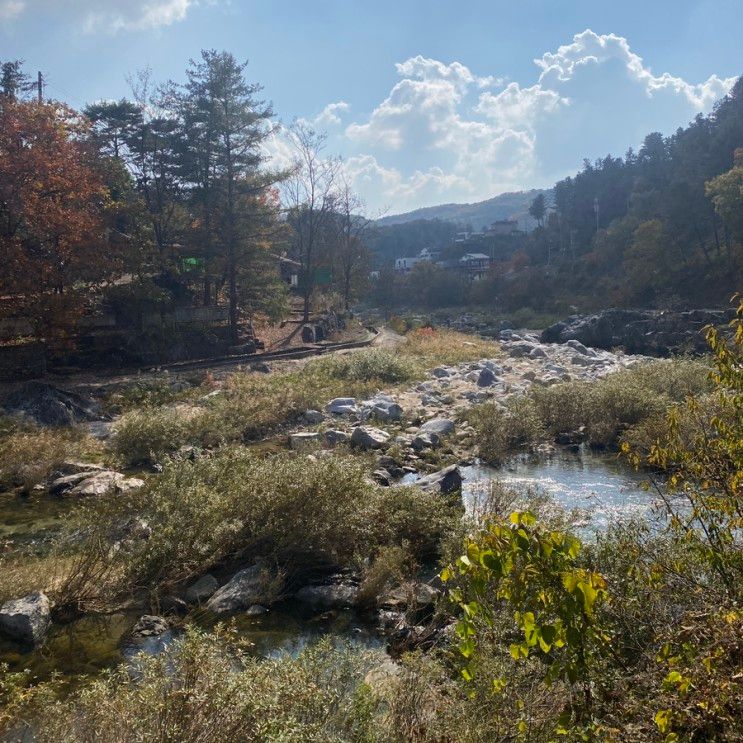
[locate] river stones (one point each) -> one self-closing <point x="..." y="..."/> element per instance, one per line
<point x="26" y="620"/>
<point x="444" y="481"/>
<point x="366" y="437"/>
<point x="440" y="426"/>
<point x="245" y="588"/>
<point x="341" y="595"/>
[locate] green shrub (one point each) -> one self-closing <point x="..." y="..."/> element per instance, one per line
<point x="504" y="431"/>
<point x="147" y="434"/>
<point x="209" y="689"/>
<point x="296" y="512"/>
<point x="369" y="365"/>
<point x="630" y="403"/>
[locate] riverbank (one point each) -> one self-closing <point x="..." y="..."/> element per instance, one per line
<point x="339" y="485"/>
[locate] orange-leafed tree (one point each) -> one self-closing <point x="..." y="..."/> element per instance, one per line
<point x="53" y="205"/>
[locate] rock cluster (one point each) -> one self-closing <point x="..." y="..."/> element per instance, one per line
<point x="650" y="332"/>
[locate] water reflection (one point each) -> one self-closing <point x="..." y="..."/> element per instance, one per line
<point x="599" y="486"/>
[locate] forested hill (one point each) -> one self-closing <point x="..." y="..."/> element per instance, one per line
<point x="514" y="205"/>
<point x="659" y="227"/>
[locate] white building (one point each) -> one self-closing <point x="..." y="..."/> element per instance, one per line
<point x="404" y="265"/>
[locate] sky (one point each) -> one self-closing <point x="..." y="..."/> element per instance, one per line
<point x="427" y="102"/>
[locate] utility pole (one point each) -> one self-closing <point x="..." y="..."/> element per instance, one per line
<point x="40" y="86"/>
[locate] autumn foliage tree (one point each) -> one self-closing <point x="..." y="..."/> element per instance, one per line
<point x="52" y="216"/>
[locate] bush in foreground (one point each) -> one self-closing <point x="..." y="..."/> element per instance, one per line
<point x="300" y="514"/>
<point x="209" y="689"/>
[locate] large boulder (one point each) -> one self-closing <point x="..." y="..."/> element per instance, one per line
<point x="26" y="620"/>
<point x="447" y="480"/>
<point x="245" y="588"/>
<point x="204" y="588"/>
<point x="652" y="332"/>
<point x="341" y="595"/>
<point x="366" y="437"/>
<point x="95" y="483"/>
<point x="439" y="426"/>
<point x="52" y="406"/>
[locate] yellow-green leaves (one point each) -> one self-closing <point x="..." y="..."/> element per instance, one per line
<point x="536" y="572"/>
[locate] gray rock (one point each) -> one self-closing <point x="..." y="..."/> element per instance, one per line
<point x="495" y="368"/>
<point x="334" y="437"/>
<point x="447" y="480"/>
<point x="518" y="350"/>
<point x="26" y="620"/>
<point x="486" y="378"/>
<point x="313" y="417"/>
<point x="105" y="483"/>
<point x="255" y="610"/>
<point x="440" y="426"/>
<point x="654" y="332"/>
<point x="304" y="440"/>
<point x="245" y="588"/>
<point x="416" y="595"/>
<point x="580" y="360"/>
<point x="52" y="406"/>
<point x="384" y="409"/>
<point x="440" y="372"/>
<point x="149" y="625"/>
<point x="342" y="406"/>
<point x="329" y="596"/>
<point x="579" y="347"/>
<point x="537" y="353"/>
<point x="426" y="440"/>
<point x="204" y="588"/>
<point x="367" y="437"/>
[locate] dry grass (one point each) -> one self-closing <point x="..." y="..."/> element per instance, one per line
<point x="29" y="456"/>
<point x="430" y="347"/>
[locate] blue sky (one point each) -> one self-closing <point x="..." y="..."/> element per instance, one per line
<point x="427" y="102"/>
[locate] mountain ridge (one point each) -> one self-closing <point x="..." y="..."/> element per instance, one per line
<point x="479" y="214"/>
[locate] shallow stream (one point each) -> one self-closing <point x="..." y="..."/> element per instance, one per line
<point x="599" y="486"/>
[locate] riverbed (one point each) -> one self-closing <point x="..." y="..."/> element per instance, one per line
<point x="599" y="488"/>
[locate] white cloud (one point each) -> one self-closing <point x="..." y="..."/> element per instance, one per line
<point x="107" y="15"/>
<point x="136" y="16"/>
<point x="589" y="48"/>
<point x="330" y="116"/>
<point x="444" y="133"/>
<point x="10" y="9"/>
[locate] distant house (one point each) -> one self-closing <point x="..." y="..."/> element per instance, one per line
<point x="474" y="265"/>
<point x="503" y="227"/>
<point x="404" y="265"/>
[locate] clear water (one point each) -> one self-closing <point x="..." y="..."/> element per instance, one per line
<point x="601" y="487"/>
